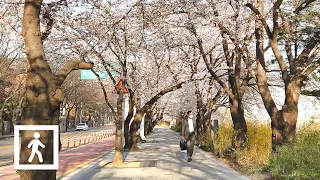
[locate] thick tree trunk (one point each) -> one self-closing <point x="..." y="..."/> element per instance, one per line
<point x="40" y="92"/>
<point x="284" y="123"/>
<point x="135" y="126"/>
<point x="147" y="120"/>
<point x="290" y="110"/>
<point x="43" y="92"/>
<point x="239" y="123"/>
<point x="118" y="157"/>
<point x="128" y="141"/>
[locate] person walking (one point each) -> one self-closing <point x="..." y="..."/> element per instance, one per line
<point x="188" y="134"/>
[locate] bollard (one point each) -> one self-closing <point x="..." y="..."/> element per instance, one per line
<point x="92" y="137"/>
<point x="74" y="141"/>
<point x="85" y="137"/>
<point x="12" y="159"/>
<point x="89" y="138"/>
<point x="68" y="146"/>
<point x="80" y="141"/>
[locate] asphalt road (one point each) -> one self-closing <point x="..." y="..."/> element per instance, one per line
<point x="6" y="144"/>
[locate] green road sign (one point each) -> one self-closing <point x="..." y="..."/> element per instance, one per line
<point x="88" y="74"/>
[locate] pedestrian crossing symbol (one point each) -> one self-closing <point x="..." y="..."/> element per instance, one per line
<point x="35" y="149"/>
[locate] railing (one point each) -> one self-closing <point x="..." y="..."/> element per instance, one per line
<point x="92" y="137"/>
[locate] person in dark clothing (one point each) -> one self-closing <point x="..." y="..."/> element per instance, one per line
<point x="188" y="133"/>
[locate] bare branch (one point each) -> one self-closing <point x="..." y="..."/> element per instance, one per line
<point x="73" y="65"/>
<point x="288" y="46"/>
<point x="213" y="74"/>
<point x="303" y="5"/>
<point x="49" y="21"/>
<point x="262" y="19"/>
<point x="104" y="93"/>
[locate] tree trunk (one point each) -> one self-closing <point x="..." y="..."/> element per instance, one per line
<point x="126" y="131"/>
<point x="43" y="92"/>
<point x="277" y="122"/>
<point x="239" y="123"/>
<point x="67" y="119"/>
<point x="118" y="157"/>
<point x="200" y="109"/>
<point x="135" y="126"/>
<point x="284" y="123"/>
<point x="127" y="121"/>
<point x="1" y="114"/>
<point x="147" y="120"/>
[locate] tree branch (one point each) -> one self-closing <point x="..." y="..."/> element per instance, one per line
<point x="263" y="21"/>
<point x="288" y="46"/>
<point x="49" y="21"/>
<point x="303" y="5"/>
<point x="105" y="66"/>
<point x="213" y="74"/>
<point x="104" y="93"/>
<point x="73" y="65"/>
<point x="308" y="48"/>
<point x="313" y="55"/>
<point x="160" y="94"/>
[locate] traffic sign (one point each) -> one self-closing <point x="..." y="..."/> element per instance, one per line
<point x="119" y="86"/>
<point x="88" y="74"/>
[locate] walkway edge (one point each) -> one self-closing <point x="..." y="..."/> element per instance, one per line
<point x="80" y="166"/>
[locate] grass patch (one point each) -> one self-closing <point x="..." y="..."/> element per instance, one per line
<point x="177" y="128"/>
<point x="300" y="160"/>
<point x="164" y="124"/>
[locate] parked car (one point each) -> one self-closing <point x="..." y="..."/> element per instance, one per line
<point x="82" y="126"/>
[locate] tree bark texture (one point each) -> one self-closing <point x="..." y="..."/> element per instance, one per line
<point x="132" y="102"/>
<point x="118" y="157"/>
<point x="43" y="92"/>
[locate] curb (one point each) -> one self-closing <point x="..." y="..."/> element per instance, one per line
<point x="6" y="136"/>
<point x="8" y="163"/>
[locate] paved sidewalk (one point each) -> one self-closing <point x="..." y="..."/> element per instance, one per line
<point x="161" y="158"/>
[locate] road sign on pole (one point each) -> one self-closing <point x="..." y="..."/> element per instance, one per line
<point x="88" y="74"/>
<point x="119" y="86"/>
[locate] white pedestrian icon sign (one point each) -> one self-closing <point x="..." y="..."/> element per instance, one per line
<point x="35" y="145"/>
